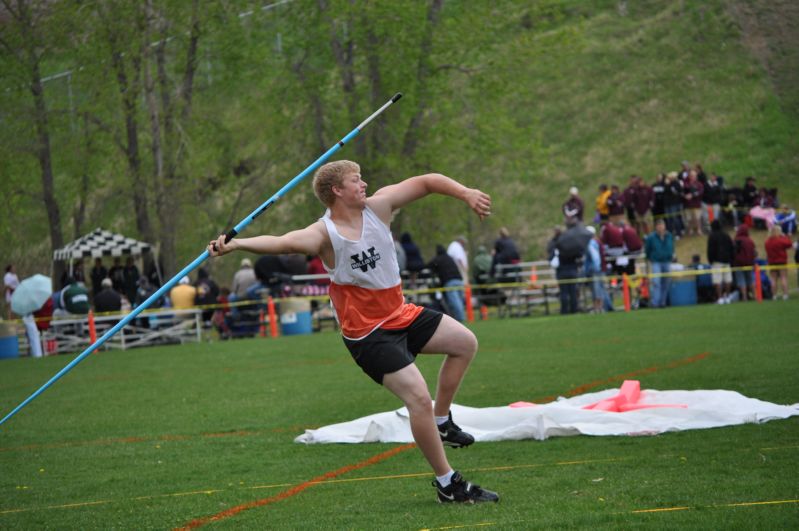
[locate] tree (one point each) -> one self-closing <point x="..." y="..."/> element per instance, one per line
<point x="22" y="40"/>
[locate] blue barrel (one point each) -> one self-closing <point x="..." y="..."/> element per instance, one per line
<point x="9" y="344"/>
<point x="682" y="292"/>
<point x="295" y="317"/>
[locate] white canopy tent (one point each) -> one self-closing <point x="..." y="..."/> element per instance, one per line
<point x="100" y="243"/>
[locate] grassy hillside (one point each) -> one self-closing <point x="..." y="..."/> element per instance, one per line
<point x="612" y="95"/>
<point x="524" y="100"/>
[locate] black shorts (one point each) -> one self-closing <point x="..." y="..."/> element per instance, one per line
<point x="386" y="351"/>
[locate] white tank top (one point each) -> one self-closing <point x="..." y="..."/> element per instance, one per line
<point x="366" y="290"/>
<point x="371" y="261"/>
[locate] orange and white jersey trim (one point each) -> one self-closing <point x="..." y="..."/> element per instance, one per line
<point x="366" y="289"/>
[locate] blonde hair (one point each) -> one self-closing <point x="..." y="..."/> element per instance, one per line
<point x="776" y="230"/>
<point x="330" y="175"/>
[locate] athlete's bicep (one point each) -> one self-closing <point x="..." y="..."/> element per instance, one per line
<point x="396" y="196"/>
<point x="309" y="240"/>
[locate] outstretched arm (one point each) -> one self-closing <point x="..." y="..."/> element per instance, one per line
<point x="390" y="198"/>
<point x="309" y="241"/>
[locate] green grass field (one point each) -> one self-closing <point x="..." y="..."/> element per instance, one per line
<point x="156" y="438"/>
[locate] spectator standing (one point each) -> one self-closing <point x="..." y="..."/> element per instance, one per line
<point x="117" y="275"/>
<point x="457" y="250"/>
<point x="745" y="254"/>
<point x="777" y="246"/>
<point x="701" y="176"/>
<point x="786" y="218"/>
<point x="692" y="201"/>
<point x="673" y="203"/>
<point x="570" y="245"/>
<point x="449" y="276"/>
<point x="616" y="202"/>
<point x="629" y="198"/>
<point x="659" y="248"/>
<point x="573" y="207"/>
<point x="658" y="197"/>
<point x="107" y="300"/>
<point x="97" y="274"/>
<point x="506" y="255"/>
<point x="720" y="254"/>
<point x="242" y="280"/>
<point x="10" y="283"/>
<point x="642" y="204"/>
<point x="594" y="268"/>
<point x="712" y="197"/>
<point x="602" y="208"/>
<point x="685" y="169"/>
<point x="131" y="273"/>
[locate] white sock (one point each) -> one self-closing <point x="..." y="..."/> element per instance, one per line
<point x="441" y="420"/>
<point x="446" y="479"/>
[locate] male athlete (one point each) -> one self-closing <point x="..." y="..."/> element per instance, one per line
<point x="382" y="332"/>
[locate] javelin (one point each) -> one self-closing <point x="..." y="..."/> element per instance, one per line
<point x="204" y="256"/>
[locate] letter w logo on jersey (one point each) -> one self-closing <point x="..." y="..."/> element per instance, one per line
<point x="365" y="261"/>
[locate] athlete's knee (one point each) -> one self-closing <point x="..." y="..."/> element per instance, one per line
<point x="419" y="402"/>
<point x="469" y="348"/>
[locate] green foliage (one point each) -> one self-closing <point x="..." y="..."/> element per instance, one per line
<point x="519" y="99"/>
<point x="153" y="438"/>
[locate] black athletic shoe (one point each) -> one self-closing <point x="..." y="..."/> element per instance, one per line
<point x="452" y="435"/>
<point x="462" y="491"/>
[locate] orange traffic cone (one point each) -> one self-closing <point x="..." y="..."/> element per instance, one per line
<point x="92" y="328"/>
<point x="270" y="306"/>
<point x="469" y="308"/>
<point x="626" y="292"/>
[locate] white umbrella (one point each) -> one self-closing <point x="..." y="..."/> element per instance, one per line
<point x="31" y="294"/>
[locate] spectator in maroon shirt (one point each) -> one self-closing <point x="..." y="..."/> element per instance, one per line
<point x="629" y="197"/>
<point x="777" y="246"/>
<point x="692" y="201"/>
<point x="573" y="207"/>
<point x="745" y="254"/>
<point x="642" y="206"/>
<point x="632" y="246"/>
<point x="615" y="205"/>
<point x="612" y="238"/>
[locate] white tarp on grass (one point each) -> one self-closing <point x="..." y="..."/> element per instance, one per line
<point x="705" y="409"/>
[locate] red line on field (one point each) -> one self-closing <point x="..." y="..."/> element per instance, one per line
<point x="580" y="389"/>
<point x="296" y="489"/>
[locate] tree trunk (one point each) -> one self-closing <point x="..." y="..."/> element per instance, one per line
<point x="129" y="91"/>
<point x="423" y="72"/>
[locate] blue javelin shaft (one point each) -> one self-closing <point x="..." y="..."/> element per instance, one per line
<point x="203" y="257"/>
